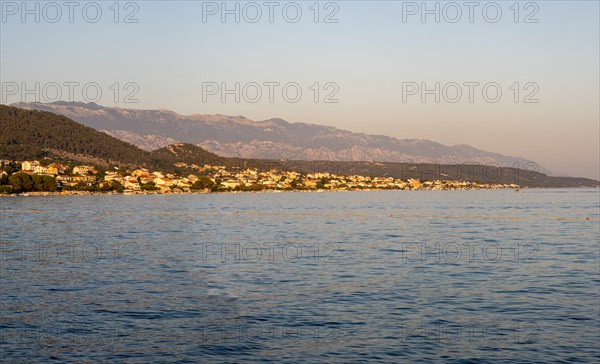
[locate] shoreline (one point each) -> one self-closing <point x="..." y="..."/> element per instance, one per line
<point x="139" y="193"/>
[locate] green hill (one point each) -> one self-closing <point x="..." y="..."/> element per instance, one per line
<point x="30" y="134"/>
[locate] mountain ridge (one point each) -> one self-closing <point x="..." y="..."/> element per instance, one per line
<point x="31" y="134"/>
<point x="275" y="138"/>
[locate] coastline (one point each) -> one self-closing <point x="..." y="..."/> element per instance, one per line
<point x="136" y="193"/>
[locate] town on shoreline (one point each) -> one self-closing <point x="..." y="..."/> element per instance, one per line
<point x="39" y="178"/>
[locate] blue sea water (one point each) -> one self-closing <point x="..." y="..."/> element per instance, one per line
<point x="387" y="276"/>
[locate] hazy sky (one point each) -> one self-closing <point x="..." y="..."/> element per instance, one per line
<point x="375" y="58"/>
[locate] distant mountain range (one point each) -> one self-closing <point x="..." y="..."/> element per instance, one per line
<point x="237" y="136"/>
<point x="31" y="134"/>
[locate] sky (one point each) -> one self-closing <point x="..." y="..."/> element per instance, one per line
<point x="516" y="78"/>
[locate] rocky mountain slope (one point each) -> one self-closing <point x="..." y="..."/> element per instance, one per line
<point x="32" y="134"/>
<point x="237" y="136"/>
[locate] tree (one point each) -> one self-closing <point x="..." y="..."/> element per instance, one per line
<point x="150" y="186"/>
<point x="48" y="183"/>
<point x="9" y="169"/>
<point x="6" y="189"/>
<point x="117" y="186"/>
<point x="21" y="182"/>
<point x="253" y="187"/>
<point x="295" y="183"/>
<point x="38" y="183"/>
<point x="202" y="183"/>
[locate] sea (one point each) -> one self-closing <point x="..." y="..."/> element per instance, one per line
<point x="336" y="277"/>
